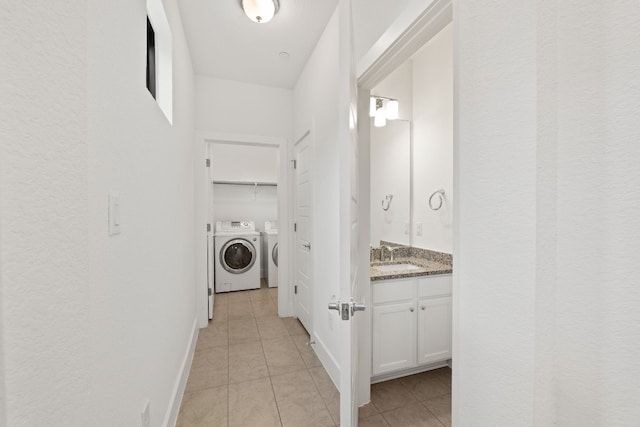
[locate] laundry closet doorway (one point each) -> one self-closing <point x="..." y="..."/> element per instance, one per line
<point x="243" y="178"/>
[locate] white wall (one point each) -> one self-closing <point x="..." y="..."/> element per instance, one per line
<point x="238" y="162"/>
<point x="144" y="297"/>
<point x="547" y="214"/>
<point x="315" y="100"/>
<point x="242" y="108"/>
<point x="93" y="325"/>
<point x="43" y="215"/>
<point x="433" y="142"/>
<point x="495" y="252"/>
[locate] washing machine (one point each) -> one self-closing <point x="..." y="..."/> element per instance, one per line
<point x="237" y="256"/>
<point x="271" y="231"/>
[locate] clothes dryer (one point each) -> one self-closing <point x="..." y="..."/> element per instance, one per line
<point x="237" y="256"/>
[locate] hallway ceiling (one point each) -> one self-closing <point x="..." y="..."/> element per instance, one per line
<point x="224" y="43"/>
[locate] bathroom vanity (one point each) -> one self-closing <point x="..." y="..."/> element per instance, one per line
<point x="411" y="309"/>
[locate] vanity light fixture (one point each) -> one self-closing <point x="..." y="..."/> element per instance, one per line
<point x="260" y="11"/>
<point x="383" y="109"/>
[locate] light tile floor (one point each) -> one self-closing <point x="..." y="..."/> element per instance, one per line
<point x="252" y="368"/>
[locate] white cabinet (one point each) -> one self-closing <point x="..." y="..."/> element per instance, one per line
<point x="411" y="322"/>
<point x="434" y="318"/>
<point x="394" y="345"/>
<point x="394" y="325"/>
<point x="434" y="329"/>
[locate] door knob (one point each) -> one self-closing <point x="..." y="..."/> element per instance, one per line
<point x="307" y="245"/>
<point x="356" y="306"/>
<point x="422" y="307"/>
<point x="342" y="308"/>
<point x="411" y="309"/>
<point x="346" y="310"/>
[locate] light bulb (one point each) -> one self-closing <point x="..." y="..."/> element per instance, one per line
<point x="392" y="108"/>
<point x="259" y="11"/>
<point x="372" y="106"/>
<point x="380" y="119"/>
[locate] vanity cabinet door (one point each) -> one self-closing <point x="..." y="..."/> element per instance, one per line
<point x="394" y="337"/>
<point x="434" y="329"/>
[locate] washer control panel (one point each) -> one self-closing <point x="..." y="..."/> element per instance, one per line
<point x="235" y="226"/>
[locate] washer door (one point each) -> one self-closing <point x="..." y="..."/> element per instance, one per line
<point x="274" y="254"/>
<point x="237" y="256"/>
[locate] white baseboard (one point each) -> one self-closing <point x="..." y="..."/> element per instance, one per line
<point x="181" y="381"/>
<point x="409" y="371"/>
<point x="330" y="364"/>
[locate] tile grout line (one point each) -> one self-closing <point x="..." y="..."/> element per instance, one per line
<point x="313" y="380"/>
<point x="275" y="399"/>
<point x="434" y="415"/>
<point x="326" y="405"/>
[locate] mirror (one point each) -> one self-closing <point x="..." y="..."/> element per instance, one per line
<point x="412" y="157"/>
<point x="391" y="183"/>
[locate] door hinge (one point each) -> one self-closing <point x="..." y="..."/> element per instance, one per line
<point x="208" y="227"/>
<point x="210" y="291"/>
<point x="295" y="227"/>
<point x="295" y="289"/>
<point x="295" y="164"/>
<point x="208" y="163"/>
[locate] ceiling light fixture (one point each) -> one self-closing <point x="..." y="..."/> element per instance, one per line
<point x="383" y="109"/>
<point x="260" y="11"/>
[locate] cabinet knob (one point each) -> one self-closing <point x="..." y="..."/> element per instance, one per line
<point x="422" y="307"/>
<point x="411" y="309"/>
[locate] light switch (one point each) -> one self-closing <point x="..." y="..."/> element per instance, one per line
<point x="114" y="214"/>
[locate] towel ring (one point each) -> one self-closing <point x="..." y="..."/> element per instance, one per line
<point x="440" y="193"/>
<point x="387" y="202"/>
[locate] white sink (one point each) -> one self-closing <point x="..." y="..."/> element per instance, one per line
<point x="396" y="267"/>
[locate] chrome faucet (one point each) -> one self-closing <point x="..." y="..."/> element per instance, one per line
<point x="389" y="249"/>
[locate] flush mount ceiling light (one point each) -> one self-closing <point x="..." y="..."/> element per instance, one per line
<point x="260" y="11"/>
<point x="383" y="109"/>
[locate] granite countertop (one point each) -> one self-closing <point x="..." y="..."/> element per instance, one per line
<point x="428" y="268"/>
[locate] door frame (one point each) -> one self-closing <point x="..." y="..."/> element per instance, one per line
<point x="418" y="24"/>
<point x="202" y="214"/>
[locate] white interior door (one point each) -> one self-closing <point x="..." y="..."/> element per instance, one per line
<point x="349" y="224"/>
<point x="210" y="230"/>
<point x="302" y="217"/>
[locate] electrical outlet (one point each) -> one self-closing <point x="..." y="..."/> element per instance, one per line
<point x="146" y="416"/>
<point x="419" y="229"/>
<point x="406" y="228"/>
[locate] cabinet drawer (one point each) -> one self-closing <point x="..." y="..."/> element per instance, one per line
<point x="433" y="286"/>
<point x="393" y="290"/>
